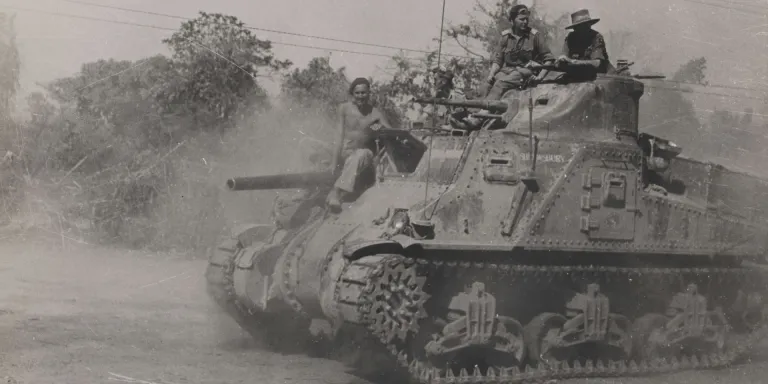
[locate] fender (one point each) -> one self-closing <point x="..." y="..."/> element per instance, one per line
<point x="399" y="244"/>
<point x="252" y="233"/>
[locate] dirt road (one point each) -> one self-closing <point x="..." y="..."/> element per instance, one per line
<point x="88" y="315"/>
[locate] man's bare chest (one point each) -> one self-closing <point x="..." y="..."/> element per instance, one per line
<point x="355" y="119"/>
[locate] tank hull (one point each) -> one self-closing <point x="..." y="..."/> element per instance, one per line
<point x="503" y="258"/>
<point x="634" y="308"/>
<point x="607" y="309"/>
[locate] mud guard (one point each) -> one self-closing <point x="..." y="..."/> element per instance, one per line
<point x="252" y="233"/>
<point x="245" y="276"/>
<point x="399" y="244"/>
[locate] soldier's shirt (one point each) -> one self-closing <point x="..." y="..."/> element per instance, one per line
<point x="589" y="46"/>
<point x="516" y="51"/>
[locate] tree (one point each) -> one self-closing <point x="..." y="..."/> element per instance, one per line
<point x="320" y="86"/>
<point x="112" y="127"/>
<point x="217" y="62"/>
<point x="479" y="38"/>
<point x="317" y="85"/>
<point x="120" y="99"/>
<point x="692" y="72"/>
<point x="9" y="65"/>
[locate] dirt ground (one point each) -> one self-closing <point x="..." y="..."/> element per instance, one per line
<point x="82" y="314"/>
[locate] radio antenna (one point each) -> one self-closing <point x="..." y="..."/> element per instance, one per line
<point x="434" y="110"/>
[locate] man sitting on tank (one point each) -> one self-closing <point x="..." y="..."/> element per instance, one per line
<point x="355" y="144"/>
<point x="584" y="49"/>
<point x="519" y="47"/>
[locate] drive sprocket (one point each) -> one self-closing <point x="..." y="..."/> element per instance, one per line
<point x="397" y="299"/>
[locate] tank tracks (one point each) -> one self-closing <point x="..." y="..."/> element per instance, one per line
<point x="263" y="327"/>
<point x="388" y="292"/>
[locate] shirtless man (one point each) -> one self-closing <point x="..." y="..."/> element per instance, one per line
<point x="358" y="120"/>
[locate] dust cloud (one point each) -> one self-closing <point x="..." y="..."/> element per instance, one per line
<point x="284" y="139"/>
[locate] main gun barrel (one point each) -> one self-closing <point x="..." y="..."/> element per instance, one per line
<point x="492" y="105"/>
<point x="281" y="181"/>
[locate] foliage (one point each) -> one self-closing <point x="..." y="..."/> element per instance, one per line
<point x="114" y="137"/>
<point x="9" y="65"/>
<point x="478" y="38"/>
<point x="217" y="62"/>
<point x="692" y="72"/>
<point x="9" y="86"/>
<point x="322" y="87"/>
<point x="317" y="85"/>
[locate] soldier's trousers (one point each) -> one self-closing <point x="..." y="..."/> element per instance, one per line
<point x="506" y="79"/>
<point x="356" y="164"/>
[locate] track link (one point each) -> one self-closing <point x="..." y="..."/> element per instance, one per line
<point x="374" y="268"/>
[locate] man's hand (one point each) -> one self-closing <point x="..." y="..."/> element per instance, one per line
<point x="373" y="121"/>
<point x="532" y="65"/>
<point x="563" y="61"/>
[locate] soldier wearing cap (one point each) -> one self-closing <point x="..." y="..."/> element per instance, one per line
<point x="445" y="89"/>
<point x="584" y="47"/>
<point x="512" y="62"/>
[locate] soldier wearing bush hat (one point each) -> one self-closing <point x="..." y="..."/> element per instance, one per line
<point x="584" y="47"/>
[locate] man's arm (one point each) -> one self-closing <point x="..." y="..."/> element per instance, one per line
<point x="339" y="138"/>
<point x="544" y="54"/>
<point x="498" y="56"/>
<point x="599" y="57"/>
<point x="378" y="116"/>
<point x="495" y="68"/>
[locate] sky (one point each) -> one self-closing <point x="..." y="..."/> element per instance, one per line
<point x="735" y="43"/>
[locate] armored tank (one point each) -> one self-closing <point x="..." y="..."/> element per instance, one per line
<point x="555" y="242"/>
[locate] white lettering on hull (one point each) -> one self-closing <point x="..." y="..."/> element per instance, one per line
<point x="546" y="158"/>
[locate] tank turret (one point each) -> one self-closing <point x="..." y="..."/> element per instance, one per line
<point x="562" y="243"/>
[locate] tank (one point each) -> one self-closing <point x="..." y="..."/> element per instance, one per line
<point x="553" y="243"/>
